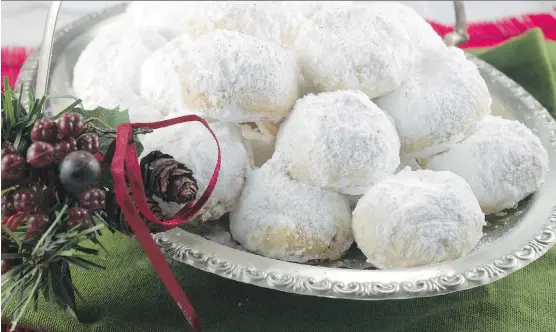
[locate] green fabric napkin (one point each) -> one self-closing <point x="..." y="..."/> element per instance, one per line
<point x="129" y="297"/>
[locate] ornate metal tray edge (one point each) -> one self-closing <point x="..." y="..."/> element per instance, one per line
<point x="341" y="283"/>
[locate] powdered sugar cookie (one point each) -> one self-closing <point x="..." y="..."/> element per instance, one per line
<point x="503" y="162"/>
<point x="284" y="219"/>
<point x="270" y="21"/>
<point x="166" y="17"/>
<point x="417" y="218"/>
<point x="160" y="75"/>
<point x="192" y="144"/>
<point x="339" y="140"/>
<point x="113" y="58"/>
<point x="107" y="71"/>
<point x="439" y="105"/>
<point x="355" y="47"/>
<point x="235" y="77"/>
<point x="420" y="32"/>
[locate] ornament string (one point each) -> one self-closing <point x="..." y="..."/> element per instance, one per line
<point x="125" y="158"/>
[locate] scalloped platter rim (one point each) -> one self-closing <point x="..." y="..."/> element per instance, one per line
<point x="505" y="249"/>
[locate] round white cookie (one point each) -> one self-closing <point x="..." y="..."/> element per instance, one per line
<point x="420" y="32"/>
<point x="166" y="17"/>
<point x="355" y="47"/>
<point x="160" y="75"/>
<point x="280" y="218"/>
<point x="235" y="77"/>
<point x="339" y="140"/>
<point x="439" y="105"/>
<point x="270" y="21"/>
<point x="106" y="73"/>
<point x="417" y="218"/>
<point x="113" y="59"/>
<point x="192" y="144"/>
<point x="503" y="162"/>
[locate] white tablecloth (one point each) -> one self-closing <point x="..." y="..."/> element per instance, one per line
<point x="23" y="21"/>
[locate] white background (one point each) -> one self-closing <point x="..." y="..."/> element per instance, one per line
<point x="23" y="21"/>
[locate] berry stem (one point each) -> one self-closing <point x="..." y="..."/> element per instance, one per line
<point x="56" y="221"/>
<point x="99" y="121"/>
<point x="7" y="190"/>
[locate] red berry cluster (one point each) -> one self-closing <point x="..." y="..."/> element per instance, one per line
<point x="52" y="141"/>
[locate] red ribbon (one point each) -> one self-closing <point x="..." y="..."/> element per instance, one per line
<point x="125" y="158"/>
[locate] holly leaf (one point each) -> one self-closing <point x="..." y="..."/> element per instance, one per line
<point x="106" y="119"/>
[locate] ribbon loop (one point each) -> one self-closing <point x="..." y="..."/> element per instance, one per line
<point x="125" y="158"/>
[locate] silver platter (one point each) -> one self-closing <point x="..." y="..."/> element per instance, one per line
<point x="511" y="242"/>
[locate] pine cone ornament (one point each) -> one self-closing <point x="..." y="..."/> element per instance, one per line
<point x="167" y="178"/>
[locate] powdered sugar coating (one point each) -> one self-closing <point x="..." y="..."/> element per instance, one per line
<point x="269" y="21"/>
<point x="113" y="58"/>
<point x="166" y="17"/>
<point x="160" y="75"/>
<point x="355" y="47"/>
<point x="421" y="33"/>
<point x="107" y="71"/>
<point x="439" y="105"/>
<point x="503" y="162"/>
<point x="192" y="144"/>
<point x="139" y="109"/>
<point x="416" y="218"/>
<point x="284" y="219"/>
<point x="235" y="77"/>
<point x="339" y="140"/>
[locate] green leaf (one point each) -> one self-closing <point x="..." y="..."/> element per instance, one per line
<point x="14" y="255"/>
<point x="82" y="262"/>
<point x="89" y="251"/>
<point x="110" y="117"/>
<point x="8" y="104"/>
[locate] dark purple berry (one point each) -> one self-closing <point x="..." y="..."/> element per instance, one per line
<point x="79" y="171"/>
<point x="8" y="208"/>
<point x="88" y="142"/>
<point x="25" y="199"/>
<point x="13" y="167"/>
<point x="78" y="217"/>
<point x="7" y="148"/>
<point x="37" y="223"/>
<point x="63" y="147"/>
<point x="40" y="154"/>
<point x="93" y="199"/>
<point x="71" y="124"/>
<point x="44" y="130"/>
